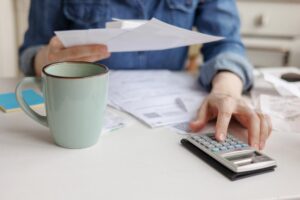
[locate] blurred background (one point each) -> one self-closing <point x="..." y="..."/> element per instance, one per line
<point x="270" y="31"/>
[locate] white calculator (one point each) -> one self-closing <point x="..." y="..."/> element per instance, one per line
<point x="234" y="154"/>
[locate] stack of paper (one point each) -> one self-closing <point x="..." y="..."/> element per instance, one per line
<point x="135" y="36"/>
<point x="156" y="97"/>
<point x="284" y="112"/>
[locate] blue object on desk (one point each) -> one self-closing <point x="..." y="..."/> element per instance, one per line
<point x="9" y="103"/>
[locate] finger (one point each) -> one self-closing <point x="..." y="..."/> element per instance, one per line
<point x="253" y="129"/>
<point x="202" y="118"/>
<point x="264" y="130"/>
<point x="222" y="124"/>
<point x="55" y="43"/>
<point x="269" y="121"/>
<point x="225" y="111"/>
<point x="89" y="58"/>
<point x="80" y="51"/>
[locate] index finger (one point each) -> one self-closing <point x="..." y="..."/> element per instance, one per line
<point x="225" y="111"/>
<point x="56" y="43"/>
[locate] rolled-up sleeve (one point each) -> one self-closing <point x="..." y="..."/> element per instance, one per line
<point x="221" y="18"/>
<point x="44" y="18"/>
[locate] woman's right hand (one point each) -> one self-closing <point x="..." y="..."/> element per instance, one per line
<point x="56" y="52"/>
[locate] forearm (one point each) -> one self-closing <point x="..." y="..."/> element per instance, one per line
<point x="227" y="83"/>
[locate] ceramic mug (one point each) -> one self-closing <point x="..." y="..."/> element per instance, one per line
<point x="75" y="96"/>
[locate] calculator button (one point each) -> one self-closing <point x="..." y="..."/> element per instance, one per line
<point x="223" y="148"/>
<point x="215" y="149"/>
<point x="230" y="147"/>
<point x="232" y="143"/>
<point x="206" y="143"/>
<point x="218" y="144"/>
<point x="238" y="146"/>
<point x="245" y="145"/>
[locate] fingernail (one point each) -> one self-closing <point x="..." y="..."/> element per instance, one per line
<point x="222" y="137"/>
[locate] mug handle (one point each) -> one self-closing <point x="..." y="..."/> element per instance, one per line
<point x="24" y="106"/>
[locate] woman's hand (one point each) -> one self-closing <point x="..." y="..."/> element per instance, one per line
<point x="225" y="102"/>
<point x="56" y="52"/>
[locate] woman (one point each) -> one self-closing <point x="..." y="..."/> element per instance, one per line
<point x="225" y="73"/>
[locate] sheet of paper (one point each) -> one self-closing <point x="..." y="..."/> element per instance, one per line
<point x="113" y="121"/>
<point x="184" y="128"/>
<point x="125" y="24"/>
<point x="153" y="35"/>
<point x="282" y="107"/>
<point x="284" y="112"/>
<point x="152" y="95"/>
<point x="283" y="87"/>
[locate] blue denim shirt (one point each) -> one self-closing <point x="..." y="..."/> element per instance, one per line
<point x="217" y="17"/>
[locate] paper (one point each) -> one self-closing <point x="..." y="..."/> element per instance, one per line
<point x="284" y="112"/>
<point x="282" y="107"/>
<point x="8" y="101"/>
<point x="152" y="35"/>
<point x="184" y="128"/>
<point x="125" y="24"/>
<point x="152" y="95"/>
<point x="113" y="121"/>
<point x="283" y="87"/>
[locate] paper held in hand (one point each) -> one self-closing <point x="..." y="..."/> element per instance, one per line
<point x="135" y="35"/>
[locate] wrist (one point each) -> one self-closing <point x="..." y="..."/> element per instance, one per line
<point x="227" y="83"/>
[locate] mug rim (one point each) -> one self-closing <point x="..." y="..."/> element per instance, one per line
<point x="81" y="77"/>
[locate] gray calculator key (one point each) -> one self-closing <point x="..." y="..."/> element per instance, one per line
<point x="245" y="145"/>
<point x="218" y="144"/>
<point x="223" y="148"/>
<point x="238" y="146"/>
<point x="206" y="143"/>
<point x="231" y="147"/>
<point x="215" y="149"/>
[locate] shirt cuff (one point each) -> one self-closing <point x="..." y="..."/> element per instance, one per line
<point x="27" y="58"/>
<point x="232" y="62"/>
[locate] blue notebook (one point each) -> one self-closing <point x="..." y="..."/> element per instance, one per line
<point x="9" y="103"/>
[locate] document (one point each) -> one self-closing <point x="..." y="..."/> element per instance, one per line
<point x="283" y="87"/>
<point x="147" y="36"/>
<point x="155" y="97"/>
<point x="284" y="112"/>
<point x="282" y="107"/>
<point x="184" y="128"/>
<point x="113" y="121"/>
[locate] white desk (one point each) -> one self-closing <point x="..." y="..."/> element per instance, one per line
<point x="132" y="163"/>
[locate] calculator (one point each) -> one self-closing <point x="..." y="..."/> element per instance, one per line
<point x="234" y="154"/>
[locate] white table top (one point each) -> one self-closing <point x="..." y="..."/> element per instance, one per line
<point x="135" y="162"/>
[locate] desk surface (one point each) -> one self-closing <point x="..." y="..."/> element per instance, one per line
<point x="132" y="163"/>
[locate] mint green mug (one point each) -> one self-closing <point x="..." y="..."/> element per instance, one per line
<point x="75" y="96"/>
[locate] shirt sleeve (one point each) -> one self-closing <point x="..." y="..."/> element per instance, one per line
<point x="44" y="18"/>
<point x="221" y="18"/>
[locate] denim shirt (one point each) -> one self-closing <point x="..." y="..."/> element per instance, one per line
<point x="217" y="17"/>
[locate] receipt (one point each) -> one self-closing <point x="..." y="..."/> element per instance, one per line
<point x="284" y="112"/>
<point x="282" y="107"/>
<point x="283" y="87"/>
